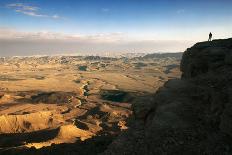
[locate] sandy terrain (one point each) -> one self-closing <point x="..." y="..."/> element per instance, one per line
<point x="46" y="101"/>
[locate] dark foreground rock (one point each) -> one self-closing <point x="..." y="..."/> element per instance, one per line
<point x="188" y="116"/>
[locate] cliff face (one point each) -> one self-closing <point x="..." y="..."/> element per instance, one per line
<point x="209" y="65"/>
<point x="207" y="57"/>
<point x="192" y="115"/>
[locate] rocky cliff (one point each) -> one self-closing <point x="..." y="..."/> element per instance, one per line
<point x="191" y="115"/>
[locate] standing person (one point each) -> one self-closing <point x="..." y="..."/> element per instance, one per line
<point x="210" y="36"/>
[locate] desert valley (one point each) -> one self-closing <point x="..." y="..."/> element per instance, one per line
<point x="74" y="103"/>
<point x="115" y="77"/>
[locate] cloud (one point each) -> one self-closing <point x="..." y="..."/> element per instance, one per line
<point x="13" y="42"/>
<point x="22" y="6"/>
<point x="56" y="16"/>
<point x="105" y="10"/>
<point x="29" y="10"/>
<point x="9" y="34"/>
<point x="180" y="11"/>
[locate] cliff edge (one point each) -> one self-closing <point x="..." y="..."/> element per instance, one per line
<point x="191" y="115"/>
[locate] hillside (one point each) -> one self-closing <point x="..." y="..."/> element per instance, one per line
<point x="191" y="115"/>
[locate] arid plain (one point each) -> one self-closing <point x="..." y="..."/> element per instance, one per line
<point x="48" y="102"/>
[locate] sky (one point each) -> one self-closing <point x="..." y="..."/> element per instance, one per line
<point x="46" y="27"/>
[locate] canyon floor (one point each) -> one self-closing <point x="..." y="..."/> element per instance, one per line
<point x="70" y="104"/>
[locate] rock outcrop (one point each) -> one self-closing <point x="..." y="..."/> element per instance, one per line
<point x="191" y="115"/>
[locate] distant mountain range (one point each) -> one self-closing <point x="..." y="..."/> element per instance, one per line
<point x="176" y="55"/>
<point x="164" y="55"/>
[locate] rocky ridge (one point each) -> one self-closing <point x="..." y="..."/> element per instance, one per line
<point x="191" y="115"/>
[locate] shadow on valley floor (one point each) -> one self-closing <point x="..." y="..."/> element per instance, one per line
<point x="117" y="95"/>
<point x="9" y="140"/>
<point x="53" y="97"/>
<point x="57" y="97"/>
<point x="12" y="143"/>
<point x="91" y="146"/>
<point x="170" y="67"/>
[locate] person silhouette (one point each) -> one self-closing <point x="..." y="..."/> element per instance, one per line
<point x="210" y="36"/>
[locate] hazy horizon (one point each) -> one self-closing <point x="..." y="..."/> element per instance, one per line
<point x="60" y="47"/>
<point x="31" y="27"/>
